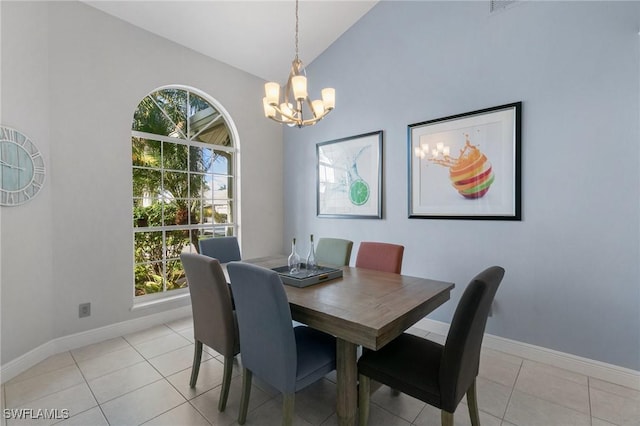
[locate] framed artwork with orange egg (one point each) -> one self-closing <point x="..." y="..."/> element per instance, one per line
<point x="467" y="166"/>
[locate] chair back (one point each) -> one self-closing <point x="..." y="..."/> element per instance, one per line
<point x="461" y="353"/>
<point x="333" y="252"/>
<point x="264" y="322"/>
<point x="225" y="249"/>
<point x="213" y="319"/>
<point x="380" y="256"/>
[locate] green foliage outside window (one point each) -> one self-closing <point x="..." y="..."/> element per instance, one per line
<point x="177" y="198"/>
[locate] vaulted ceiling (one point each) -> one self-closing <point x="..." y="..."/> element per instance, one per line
<point x="255" y="36"/>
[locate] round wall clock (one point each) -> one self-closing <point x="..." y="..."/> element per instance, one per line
<point x="21" y="168"/>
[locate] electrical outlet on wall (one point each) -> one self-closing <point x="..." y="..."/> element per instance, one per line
<point x="84" y="310"/>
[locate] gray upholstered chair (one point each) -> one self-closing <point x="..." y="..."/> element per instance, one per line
<point x="436" y="374"/>
<point x="214" y="321"/>
<point x="333" y="252"/>
<point x="225" y="249"/>
<point x="287" y="358"/>
<point x="380" y="256"/>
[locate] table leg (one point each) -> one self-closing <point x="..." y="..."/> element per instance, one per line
<point x="347" y="372"/>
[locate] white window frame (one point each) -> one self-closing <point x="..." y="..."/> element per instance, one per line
<point x="168" y="295"/>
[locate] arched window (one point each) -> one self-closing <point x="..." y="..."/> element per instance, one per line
<point x="183" y="157"/>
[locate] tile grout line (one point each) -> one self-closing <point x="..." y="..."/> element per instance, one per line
<point x="86" y="382"/>
<point x="566" y="407"/>
<point x="391" y="413"/>
<point x="418" y="416"/>
<point x="187" y="400"/>
<point x="331" y="414"/>
<point x="104" y="354"/>
<point x="169" y="409"/>
<point x="4" y="404"/>
<point x="198" y="411"/>
<point x="24" y="403"/>
<point x="165" y="378"/>
<point x="144" y="360"/>
<point x="589" y="396"/>
<point x="513" y="388"/>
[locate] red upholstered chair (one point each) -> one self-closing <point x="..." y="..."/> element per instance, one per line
<point x="380" y="256"/>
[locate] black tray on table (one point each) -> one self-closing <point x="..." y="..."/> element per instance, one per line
<point x="306" y="277"/>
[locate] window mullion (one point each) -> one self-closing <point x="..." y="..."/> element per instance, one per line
<point x="151" y="136"/>
<point x="206" y="127"/>
<point x="169" y="118"/>
<point x="160" y="239"/>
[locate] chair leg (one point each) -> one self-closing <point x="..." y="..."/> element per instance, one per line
<point x="244" y="399"/>
<point x="195" y="368"/>
<point x="226" y="382"/>
<point x="363" y="399"/>
<point x="472" y="403"/>
<point x="287" y="409"/>
<point x="447" y="418"/>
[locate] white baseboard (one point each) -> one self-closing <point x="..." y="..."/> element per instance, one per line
<point x="596" y="369"/>
<point x="78" y="340"/>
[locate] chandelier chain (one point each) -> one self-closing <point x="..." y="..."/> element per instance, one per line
<point x="296" y="29"/>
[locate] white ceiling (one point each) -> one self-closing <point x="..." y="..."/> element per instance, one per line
<point x="255" y="36"/>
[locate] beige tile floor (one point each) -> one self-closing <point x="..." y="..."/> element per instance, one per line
<point x="143" y="379"/>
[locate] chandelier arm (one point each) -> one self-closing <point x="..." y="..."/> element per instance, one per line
<point x="313" y="121"/>
<point x="297" y="121"/>
<point x="287" y="90"/>
<point x="299" y="111"/>
<point x="310" y="105"/>
<point x="284" y="114"/>
<point x="278" y="120"/>
<point x="310" y="122"/>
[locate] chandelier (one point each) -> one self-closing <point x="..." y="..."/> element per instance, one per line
<point x="296" y="99"/>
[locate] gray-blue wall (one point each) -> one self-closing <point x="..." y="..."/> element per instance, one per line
<point x="573" y="281"/>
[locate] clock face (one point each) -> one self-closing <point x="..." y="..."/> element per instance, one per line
<point x="21" y="168"/>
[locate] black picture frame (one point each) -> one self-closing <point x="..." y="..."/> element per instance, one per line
<point x="349" y="177"/>
<point x="467" y="166"/>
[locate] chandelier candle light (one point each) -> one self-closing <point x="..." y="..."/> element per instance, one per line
<point x="296" y="90"/>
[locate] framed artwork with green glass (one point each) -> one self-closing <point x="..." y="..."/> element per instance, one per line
<point x="349" y="177"/>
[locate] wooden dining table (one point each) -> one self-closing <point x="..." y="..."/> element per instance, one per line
<point x="363" y="307"/>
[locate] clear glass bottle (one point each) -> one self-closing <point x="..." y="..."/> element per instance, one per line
<point x="312" y="265"/>
<point x="294" y="259"/>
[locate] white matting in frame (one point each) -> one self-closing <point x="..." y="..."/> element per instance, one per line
<point x="466" y="166"/>
<point x="349" y="177"/>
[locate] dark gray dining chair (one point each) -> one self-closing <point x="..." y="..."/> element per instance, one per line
<point x="287" y="358"/>
<point x="214" y="321"/>
<point x="333" y="252"/>
<point x="225" y="249"/>
<point x="439" y="375"/>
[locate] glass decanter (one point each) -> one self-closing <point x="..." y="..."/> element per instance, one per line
<point x="294" y="259"/>
<point x="312" y="265"/>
